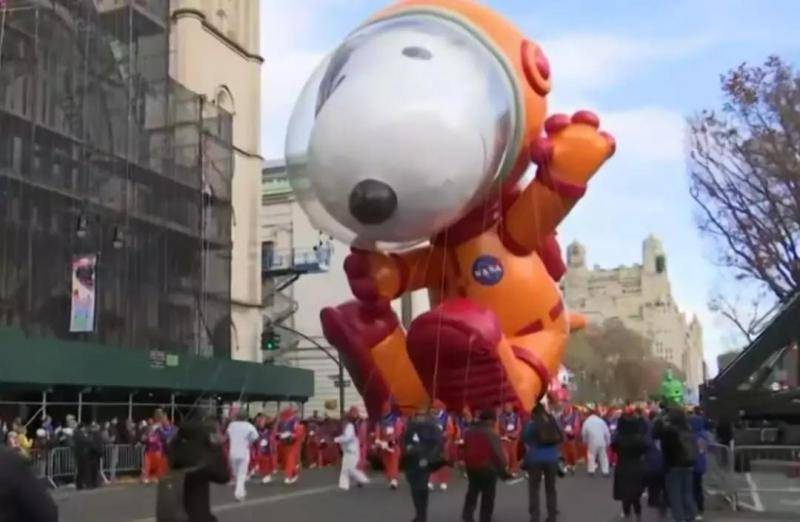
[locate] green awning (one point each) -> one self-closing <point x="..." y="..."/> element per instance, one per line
<point x="44" y="361"/>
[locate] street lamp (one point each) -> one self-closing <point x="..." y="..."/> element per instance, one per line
<point x="336" y="360"/>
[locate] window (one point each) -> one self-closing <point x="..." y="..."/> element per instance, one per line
<point x="661" y="264"/>
<point x="267" y="254"/>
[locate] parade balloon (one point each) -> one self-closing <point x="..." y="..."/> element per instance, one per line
<point x="409" y="142"/>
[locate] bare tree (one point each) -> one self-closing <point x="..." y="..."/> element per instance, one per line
<point x="745" y="176"/>
<point x="748" y="318"/>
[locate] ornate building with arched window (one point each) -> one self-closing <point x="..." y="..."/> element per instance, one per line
<point x="640" y="296"/>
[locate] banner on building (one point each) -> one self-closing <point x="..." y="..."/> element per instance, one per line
<point x="82" y="302"/>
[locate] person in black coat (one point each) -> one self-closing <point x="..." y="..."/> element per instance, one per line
<point x="630" y="445"/>
<point x="424" y="454"/>
<point x="197" y="449"/>
<point x="23" y="498"/>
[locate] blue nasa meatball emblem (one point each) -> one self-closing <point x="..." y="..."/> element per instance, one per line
<point x="487" y="270"/>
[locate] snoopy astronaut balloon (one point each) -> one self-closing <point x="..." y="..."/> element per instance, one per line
<point x="409" y="142"/>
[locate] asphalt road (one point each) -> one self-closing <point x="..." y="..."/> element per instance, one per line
<point x="316" y="498"/>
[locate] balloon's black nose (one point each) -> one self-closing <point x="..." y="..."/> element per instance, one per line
<point x="372" y="202"/>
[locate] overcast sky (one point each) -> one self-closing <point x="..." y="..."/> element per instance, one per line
<point x="642" y="66"/>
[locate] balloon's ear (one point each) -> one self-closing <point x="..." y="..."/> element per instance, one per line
<point x="577" y="321"/>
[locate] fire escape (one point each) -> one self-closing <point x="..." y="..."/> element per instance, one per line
<point x="280" y="269"/>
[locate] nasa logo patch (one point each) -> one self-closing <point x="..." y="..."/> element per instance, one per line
<point x="487" y="270"/>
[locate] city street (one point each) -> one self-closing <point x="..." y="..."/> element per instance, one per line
<point x="316" y="497"/>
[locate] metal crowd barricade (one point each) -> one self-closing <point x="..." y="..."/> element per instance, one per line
<point x="761" y="478"/>
<point x="718" y="480"/>
<point x="62" y="463"/>
<point x="57" y="465"/>
<point x="122" y="458"/>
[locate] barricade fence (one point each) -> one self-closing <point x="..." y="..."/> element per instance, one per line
<point x="761" y="478"/>
<point x="58" y="466"/>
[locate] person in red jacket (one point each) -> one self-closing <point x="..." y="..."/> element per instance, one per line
<point x="448" y="428"/>
<point x="510" y="427"/>
<point x="389" y="433"/>
<point x="290" y="441"/>
<point x="362" y="432"/>
<point x="485" y="462"/>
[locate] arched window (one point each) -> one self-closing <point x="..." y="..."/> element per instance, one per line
<point x="224" y="99"/>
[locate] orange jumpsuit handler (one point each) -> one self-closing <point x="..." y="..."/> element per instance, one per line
<point x="290" y="443"/>
<point x="445" y="423"/>
<point x="263" y="454"/>
<point x="388" y="442"/>
<point x="510" y="428"/>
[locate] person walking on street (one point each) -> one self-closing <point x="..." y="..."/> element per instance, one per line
<point x="349" y="443"/>
<point x="23" y="498"/>
<point x="542" y="438"/>
<point x="596" y="435"/>
<point x="484" y="462"/>
<point x="241" y="434"/>
<point x="423" y="443"/>
<point x="196" y="459"/>
<point x="630" y="445"/>
<point x="679" y="446"/>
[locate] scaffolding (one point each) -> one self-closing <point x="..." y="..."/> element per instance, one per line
<point x="94" y="131"/>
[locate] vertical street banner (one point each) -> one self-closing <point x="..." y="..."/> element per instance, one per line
<point x="82" y="301"/>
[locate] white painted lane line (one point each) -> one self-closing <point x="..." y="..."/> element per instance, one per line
<point x="260" y="501"/>
<point x="757" y="504"/>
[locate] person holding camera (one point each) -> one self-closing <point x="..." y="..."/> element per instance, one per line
<point x="485" y="462"/>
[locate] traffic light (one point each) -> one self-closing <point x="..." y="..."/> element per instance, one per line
<point x="270" y="340"/>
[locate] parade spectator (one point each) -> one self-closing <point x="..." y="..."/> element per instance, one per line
<point x="630" y="445"/>
<point x="23" y="498"/>
<point x="485" y="462"/>
<point x="423" y="454"/>
<point x="542" y="438"/>
<point x="195" y="453"/>
<point x="241" y="434"/>
<point x="699" y="427"/>
<point x="679" y="445"/>
<point x="654" y="466"/>
<point x="348" y="441"/>
<point x="597" y="437"/>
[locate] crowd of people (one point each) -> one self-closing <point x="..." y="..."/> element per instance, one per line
<point x="653" y="452"/>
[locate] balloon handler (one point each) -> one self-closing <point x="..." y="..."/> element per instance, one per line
<point x="409" y="142"/>
<point x="290" y="443"/>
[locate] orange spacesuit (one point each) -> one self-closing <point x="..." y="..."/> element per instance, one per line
<point x="498" y="327"/>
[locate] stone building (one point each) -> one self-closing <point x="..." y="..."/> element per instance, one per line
<point x="216" y="54"/>
<point x="640" y="296"/>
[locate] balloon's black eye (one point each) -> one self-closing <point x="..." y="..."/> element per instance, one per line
<point x="418" y="53"/>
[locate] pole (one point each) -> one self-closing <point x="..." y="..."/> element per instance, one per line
<point x="406" y="310"/>
<point x="130" y="406"/>
<point x="172" y="407"/>
<point x="341" y="389"/>
<point x="44" y="404"/>
<point x="80" y="407"/>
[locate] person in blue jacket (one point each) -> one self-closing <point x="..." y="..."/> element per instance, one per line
<point x="542" y="438"/>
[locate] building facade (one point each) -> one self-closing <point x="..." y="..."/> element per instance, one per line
<point x="215" y="52"/>
<point x="640" y="296"/>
